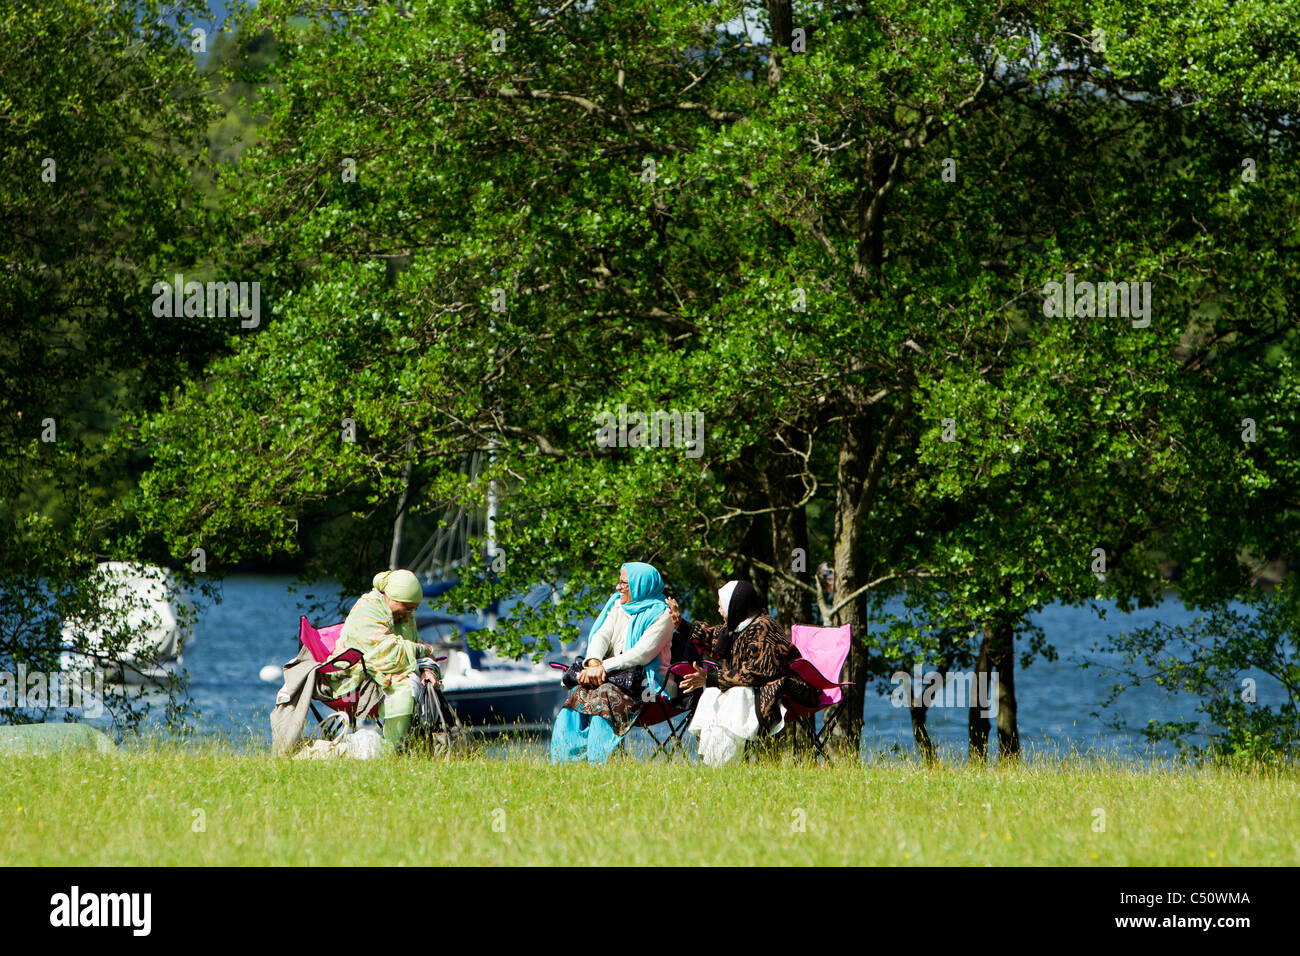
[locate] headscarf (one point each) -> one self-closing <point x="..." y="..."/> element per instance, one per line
<point x="743" y="604"/>
<point x="400" y="585"/>
<point x="646" y="602"/>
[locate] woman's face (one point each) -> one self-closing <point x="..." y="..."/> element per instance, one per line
<point x="722" y="611"/>
<point x="401" y="611"/>
<point x="624" y="591"/>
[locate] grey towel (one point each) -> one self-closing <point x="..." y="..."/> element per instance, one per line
<point x="295" y="697"/>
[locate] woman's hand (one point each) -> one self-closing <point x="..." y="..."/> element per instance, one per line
<point x="695" y="680"/>
<point x="592" y="676"/>
<point x="675" y="612"/>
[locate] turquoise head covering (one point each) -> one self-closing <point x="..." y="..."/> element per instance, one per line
<point x="647" y="602"/>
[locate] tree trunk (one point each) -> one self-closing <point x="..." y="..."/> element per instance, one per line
<point x="846" y="716"/>
<point x="997" y="654"/>
<point x="1004" y="659"/>
<point x="782" y="22"/>
<point x="978" y="724"/>
<point x="919" y="712"/>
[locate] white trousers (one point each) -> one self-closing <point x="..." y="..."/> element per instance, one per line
<point x="724" y="720"/>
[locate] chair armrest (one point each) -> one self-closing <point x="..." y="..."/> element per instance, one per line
<point x="805" y="671"/>
<point x="349" y="658"/>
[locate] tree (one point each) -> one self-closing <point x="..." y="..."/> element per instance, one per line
<point x="483" y="228"/>
<point x="108" y="117"/>
<point x="1223" y="658"/>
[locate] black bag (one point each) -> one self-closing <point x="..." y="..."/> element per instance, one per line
<point x="630" y="681"/>
<point x="570" y="677"/>
<point x="434" y="724"/>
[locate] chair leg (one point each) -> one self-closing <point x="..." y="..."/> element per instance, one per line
<point x="673" y="742"/>
<point x="659" y="744"/>
<point x="817" y="743"/>
<point x="819" y="737"/>
<point x="679" y="735"/>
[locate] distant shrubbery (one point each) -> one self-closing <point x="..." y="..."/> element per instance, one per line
<point x="1223" y="658"/>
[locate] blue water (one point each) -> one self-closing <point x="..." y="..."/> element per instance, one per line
<point x="256" y="623"/>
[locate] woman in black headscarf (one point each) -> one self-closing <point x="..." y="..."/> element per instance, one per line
<point x="753" y="652"/>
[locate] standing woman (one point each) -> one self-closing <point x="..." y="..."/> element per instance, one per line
<point x="633" y="632"/>
<point x="382" y="626"/>
<point x="743" y="697"/>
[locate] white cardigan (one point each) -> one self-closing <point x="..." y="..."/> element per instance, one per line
<point x="609" y="643"/>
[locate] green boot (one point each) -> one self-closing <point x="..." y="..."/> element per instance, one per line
<point x="396" y="715"/>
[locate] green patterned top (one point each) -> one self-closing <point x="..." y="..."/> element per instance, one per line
<point x="389" y="648"/>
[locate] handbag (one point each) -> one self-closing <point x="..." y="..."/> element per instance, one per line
<point x="329" y="740"/>
<point x="434" y="723"/>
<point x="570" y="676"/>
<point x="630" y="681"/>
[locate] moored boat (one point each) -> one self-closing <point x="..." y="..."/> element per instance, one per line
<point x="145" y="601"/>
<point x="489" y="691"/>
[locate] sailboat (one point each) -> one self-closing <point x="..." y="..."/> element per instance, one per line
<point x="487" y="690"/>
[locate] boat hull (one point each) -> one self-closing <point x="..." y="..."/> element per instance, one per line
<point x="499" y="705"/>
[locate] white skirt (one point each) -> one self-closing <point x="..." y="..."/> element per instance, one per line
<point x="724" y="720"/>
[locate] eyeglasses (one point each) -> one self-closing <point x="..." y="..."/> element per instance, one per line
<point x="623" y="584"/>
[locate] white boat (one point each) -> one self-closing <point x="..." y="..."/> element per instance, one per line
<point x="501" y="692"/>
<point x="486" y="689"/>
<point x="148" y="602"/>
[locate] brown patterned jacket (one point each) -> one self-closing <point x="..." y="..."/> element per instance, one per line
<point x="760" y="658"/>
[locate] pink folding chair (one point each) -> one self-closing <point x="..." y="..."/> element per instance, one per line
<point x="823" y="651"/>
<point x="320" y="643"/>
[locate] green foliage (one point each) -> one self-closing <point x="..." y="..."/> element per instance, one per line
<point x="104" y="116"/>
<point x="1221" y="660"/>
<point x="477" y="227"/>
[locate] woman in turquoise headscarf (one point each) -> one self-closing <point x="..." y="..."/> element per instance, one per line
<point x="633" y="631"/>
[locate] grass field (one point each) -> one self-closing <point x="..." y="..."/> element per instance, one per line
<point x="193" y="805"/>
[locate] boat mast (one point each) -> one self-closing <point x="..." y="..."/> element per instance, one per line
<point x="491" y="517"/>
<point x="492" y="540"/>
<point x="401" y="512"/>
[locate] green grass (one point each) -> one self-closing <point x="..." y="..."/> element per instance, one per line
<point x="146" y="807"/>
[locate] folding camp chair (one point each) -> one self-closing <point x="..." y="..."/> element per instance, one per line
<point x="662" y="710"/>
<point x="822" y="651"/>
<point x="320" y="643"/>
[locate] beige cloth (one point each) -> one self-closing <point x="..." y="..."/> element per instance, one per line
<point x="295" y="697"/>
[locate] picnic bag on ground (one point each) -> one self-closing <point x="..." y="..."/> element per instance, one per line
<point x="434" y="724"/>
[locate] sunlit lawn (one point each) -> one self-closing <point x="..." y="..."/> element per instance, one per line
<point x="199" y="805"/>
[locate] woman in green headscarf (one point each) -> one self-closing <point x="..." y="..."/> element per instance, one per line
<point x="633" y="632"/>
<point x="382" y="626"/>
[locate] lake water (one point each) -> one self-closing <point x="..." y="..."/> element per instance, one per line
<point x="256" y="624"/>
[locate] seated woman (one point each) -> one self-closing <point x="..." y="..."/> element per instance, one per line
<point x="633" y="633"/>
<point x="742" y="698"/>
<point x="381" y="625"/>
